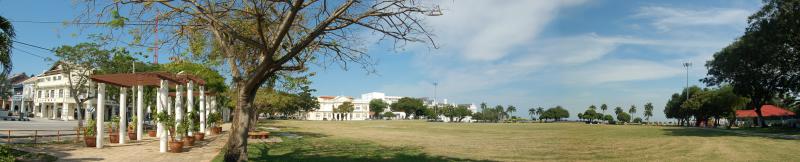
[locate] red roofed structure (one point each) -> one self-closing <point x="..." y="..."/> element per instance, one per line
<point x="766" y="111"/>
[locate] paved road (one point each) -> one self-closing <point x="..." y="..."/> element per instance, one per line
<point x="38" y="124"/>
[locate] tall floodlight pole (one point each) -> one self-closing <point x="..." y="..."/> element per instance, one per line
<point x="435" y="107"/>
<point x="687" y="65"/>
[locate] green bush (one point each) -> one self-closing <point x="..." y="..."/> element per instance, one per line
<point x="637" y="120"/>
<point x="90" y="128"/>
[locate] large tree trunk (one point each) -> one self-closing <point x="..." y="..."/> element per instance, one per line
<point x="757" y="102"/>
<point x="237" y="142"/>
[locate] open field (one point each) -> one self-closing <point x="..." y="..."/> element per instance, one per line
<point x="424" y="141"/>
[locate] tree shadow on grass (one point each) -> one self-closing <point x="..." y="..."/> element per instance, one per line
<point x="321" y="148"/>
<point x="711" y="132"/>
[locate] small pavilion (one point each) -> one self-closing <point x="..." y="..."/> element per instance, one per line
<point x="165" y="101"/>
<point x="769" y="112"/>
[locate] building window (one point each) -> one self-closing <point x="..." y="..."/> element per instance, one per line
<point x="61" y="93"/>
<point x="53" y="93"/>
<point x="39" y="95"/>
<point x="317" y="115"/>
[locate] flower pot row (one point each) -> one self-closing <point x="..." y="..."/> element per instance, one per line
<point x="175" y="146"/>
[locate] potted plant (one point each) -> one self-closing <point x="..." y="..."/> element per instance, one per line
<point x="175" y="146"/>
<point x="132" y="128"/>
<point x="198" y="136"/>
<point x="182" y="131"/>
<point x="113" y="137"/>
<point x="153" y="117"/>
<point x="215" y="120"/>
<point x="89" y="134"/>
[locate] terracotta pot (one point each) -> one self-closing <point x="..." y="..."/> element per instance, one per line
<point x="188" y="141"/>
<point x="151" y="133"/>
<point x="216" y="130"/>
<point x="175" y="146"/>
<point x="113" y="137"/>
<point x="199" y="136"/>
<point x="91" y="141"/>
<point x="132" y="136"/>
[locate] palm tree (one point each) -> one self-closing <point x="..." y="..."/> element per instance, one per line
<point x="604" y="107"/>
<point x="648" y="111"/>
<point x="539" y="111"/>
<point x="511" y="109"/>
<point x="632" y="110"/>
<point x="531" y="112"/>
<point x="618" y="110"/>
<point x="6" y="39"/>
<point x="592" y="107"/>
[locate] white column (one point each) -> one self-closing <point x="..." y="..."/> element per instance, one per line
<point x="139" y="113"/>
<point x="123" y="114"/>
<point x="159" y="109"/>
<point x="22" y="105"/>
<point x="161" y="104"/>
<point x="64" y="111"/>
<point x="202" y="109"/>
<point x="169" y="103"/>
<point x="87" y="104"/>
<point x="101" y="98"/>
<point x="190" y="103"/>
<point x="178" y="105"/>
<point x="54" y="110"/>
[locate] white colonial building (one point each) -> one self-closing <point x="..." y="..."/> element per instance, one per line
<point x="328" y="103"/>
<point x="361" y="107"/>
<point x="50" y="96"/>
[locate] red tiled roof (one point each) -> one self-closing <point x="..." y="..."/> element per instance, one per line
<point x="766" y="111"/>
<point x="327" y="97"/>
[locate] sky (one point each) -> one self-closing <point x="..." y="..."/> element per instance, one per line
<point x="523" y="53"/>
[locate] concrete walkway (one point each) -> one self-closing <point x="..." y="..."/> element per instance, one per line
<point x="145" y="150"/>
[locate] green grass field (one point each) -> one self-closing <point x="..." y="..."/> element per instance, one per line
<point x="425" y="141"/>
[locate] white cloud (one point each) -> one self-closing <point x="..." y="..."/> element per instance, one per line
<point x="621" y="70"/>
<point x="665" y="18"/>
<point x="487" y="30"/>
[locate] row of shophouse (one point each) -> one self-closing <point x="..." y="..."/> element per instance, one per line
<point x="361" y="110"/>
<point x="46" y="95"/>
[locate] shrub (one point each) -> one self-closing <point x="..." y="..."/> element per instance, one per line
<point x="637" y="120"/>
<point x="90" y="128"/>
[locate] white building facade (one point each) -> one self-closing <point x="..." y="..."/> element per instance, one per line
<point x="51" y="97"/>
<point x="328" y="103"/>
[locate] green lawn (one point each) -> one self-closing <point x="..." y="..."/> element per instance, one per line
<point x="424" y="141"/>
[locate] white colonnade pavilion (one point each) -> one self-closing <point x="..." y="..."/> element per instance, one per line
<point x="165" y="100"/>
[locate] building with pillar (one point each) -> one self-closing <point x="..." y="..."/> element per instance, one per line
<point x="50" y="97"/>
<point x="14" y="103"/>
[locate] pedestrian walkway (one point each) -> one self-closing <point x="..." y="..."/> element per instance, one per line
<point x="145" y="150"/>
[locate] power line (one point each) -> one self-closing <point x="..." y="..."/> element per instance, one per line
<point x="39" y="47"/>
<point x="141" y="23"/>
<point x="40" y="56"/>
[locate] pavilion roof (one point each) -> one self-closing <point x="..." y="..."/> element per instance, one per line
<point x="766" y="111"/>
<point x="144" y="78"/>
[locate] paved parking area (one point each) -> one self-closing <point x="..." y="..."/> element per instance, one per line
<point x="38" y="124"/>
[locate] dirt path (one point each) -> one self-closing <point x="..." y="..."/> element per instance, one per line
<point x="145" y="150"/>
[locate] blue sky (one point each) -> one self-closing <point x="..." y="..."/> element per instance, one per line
<point x="522" y="53"/>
